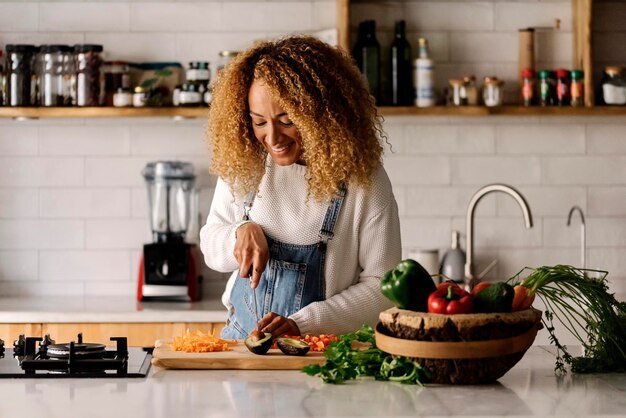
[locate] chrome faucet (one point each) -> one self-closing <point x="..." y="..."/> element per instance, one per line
<point x="528" y="220"/>
<point x="583" y="234"/>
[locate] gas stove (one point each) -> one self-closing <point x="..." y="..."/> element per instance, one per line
<point x="36" y="357"/>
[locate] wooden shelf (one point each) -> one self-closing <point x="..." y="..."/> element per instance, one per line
<point x="182" y="112"/>
<point x="504" y="111"/>
<point x="102" y="112"/>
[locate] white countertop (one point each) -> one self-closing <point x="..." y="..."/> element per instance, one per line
<point x="58" y="309"/>
<point x="530" y="389"/>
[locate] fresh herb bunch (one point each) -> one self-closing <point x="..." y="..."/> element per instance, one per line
<point x="345" y="362"/>
<point x="580" y="300"/>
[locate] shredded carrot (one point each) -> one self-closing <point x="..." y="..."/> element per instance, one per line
<point x="199" y="342"/>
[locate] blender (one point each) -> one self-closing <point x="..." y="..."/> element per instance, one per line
<point x="168" y="269"/>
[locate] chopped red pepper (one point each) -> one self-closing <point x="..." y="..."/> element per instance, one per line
<point x="450" y="299"/>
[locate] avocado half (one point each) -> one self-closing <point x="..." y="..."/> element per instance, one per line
<point x="260" y="346"/>
<point x="292" y="346"/>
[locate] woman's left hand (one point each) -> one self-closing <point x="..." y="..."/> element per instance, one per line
<point x="278" y="325"/>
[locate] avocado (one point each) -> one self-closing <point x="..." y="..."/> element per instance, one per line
<point x="496" y="298"/>
<point x="261" y="345"/>
<point x="292" y="346"/>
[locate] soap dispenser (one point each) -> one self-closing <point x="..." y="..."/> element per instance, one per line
<point x="453" y="261"/>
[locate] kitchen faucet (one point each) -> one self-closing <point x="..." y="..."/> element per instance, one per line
<point x="528" y="220"/>
<point x="583" y="234"/>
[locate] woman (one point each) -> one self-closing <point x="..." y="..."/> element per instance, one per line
<point x="303" y="211"/>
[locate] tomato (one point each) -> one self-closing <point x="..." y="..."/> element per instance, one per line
<point x="479" y="287"/>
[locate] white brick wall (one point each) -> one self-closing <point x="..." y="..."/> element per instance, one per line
<point x="73" y="208"/>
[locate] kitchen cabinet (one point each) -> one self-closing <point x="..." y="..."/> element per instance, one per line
<point x="138" y="334"/>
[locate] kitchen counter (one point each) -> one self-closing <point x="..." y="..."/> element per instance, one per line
<point x="110" y="309"/>
<point x="530" y="389"/>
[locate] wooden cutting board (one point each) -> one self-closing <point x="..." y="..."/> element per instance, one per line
<point x="239" y="358"/>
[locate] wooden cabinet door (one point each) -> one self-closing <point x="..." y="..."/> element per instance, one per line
<point x="138" y="334"/>
<point x="10" y="332"/>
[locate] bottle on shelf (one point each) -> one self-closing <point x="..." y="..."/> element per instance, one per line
<point x="577" y="88"/>
<point x="401" y="77"/>
<point x="424" y="76"/>
<point x="453" y="261"/>
<point x="367" y="55"/>
<point x="528" y="87"/>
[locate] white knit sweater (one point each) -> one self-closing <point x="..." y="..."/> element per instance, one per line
<point x="366" y="243"/>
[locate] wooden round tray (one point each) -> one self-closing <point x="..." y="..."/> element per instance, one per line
<point x="454" y="350"/>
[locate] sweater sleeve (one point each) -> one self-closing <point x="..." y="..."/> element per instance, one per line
<point x="217" y="236"/>
<point x="379" y="251"/>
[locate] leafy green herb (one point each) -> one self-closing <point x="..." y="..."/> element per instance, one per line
<point x="580" y="300"/>
<point x="343" y="362"/>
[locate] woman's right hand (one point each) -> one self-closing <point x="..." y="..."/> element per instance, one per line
<point x="251" y="252"/>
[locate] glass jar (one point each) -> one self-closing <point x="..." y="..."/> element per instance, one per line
<point x="469" y="90"/>
<point x="88" y="64"/>
<point x="562" y="87"/>
<point x="140" y="96"/>
<point x="493" y="91"/>
<point x="613" y="86"/>
<point x="21" y="76"/>
<point x="224" y="58"/>
<point x="123" y="97"/>
<point x="116" y="77"/>
<point x="198" y="74"/>
<point x="190" y="95"/>
<point x="528" y="86"/>
<point x="547" y="87"/>
<point x="577" y="88"/>
<point x="456" y="96"/>
<point x="55" y="75"/>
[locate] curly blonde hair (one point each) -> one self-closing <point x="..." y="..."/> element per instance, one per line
<point x="325" y="96"/>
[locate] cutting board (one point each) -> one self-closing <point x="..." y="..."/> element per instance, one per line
<point x="239" y="358"/>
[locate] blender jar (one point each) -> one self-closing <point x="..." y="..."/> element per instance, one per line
<point x="171" y="195"/>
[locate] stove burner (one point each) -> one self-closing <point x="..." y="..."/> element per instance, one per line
<point x="85" y="350"/>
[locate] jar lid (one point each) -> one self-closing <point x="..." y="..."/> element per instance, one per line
<point x="227" y="53"/>
<point x="87" y="48"/>
<point x="493" y="80"/>
<point x="140" y="89"/>
<point x="545" y="74"/>
<point x="613" y="69"/>
<point x="199" y="65"/>
<point x="21" y="48"/>
<point x="469" y="78"/>
<point x="577" y="74"/>
<point x="55" y="48"/>
<point x="455" y="82"/>
<point x="562" y="72"/>
<point x="124" y="90"/>
<point x="189" y="87"/>
<point x="528" y="73"/>
<point x="168" y="170"/>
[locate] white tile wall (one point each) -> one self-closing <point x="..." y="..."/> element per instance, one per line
<point x="73" y="207"/>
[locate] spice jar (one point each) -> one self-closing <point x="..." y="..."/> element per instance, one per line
<point x="224" y="58"/>
<point x="469" y="90"/>
<point x="577" y="88"/>
<point x="492" y="91"/>
<point x="613" y="86"/>
<point x="562" y="87"/>
<point x="140" y="96"/>
<point x="190" y="95"/>
<point x="455" y="93"/>
<point x="88" y="63"/>
<point x="547" y="87"/>
<point x="123" y="97"/>
<point x="116" y="77"/>
<point x="55" y="77"/>
<point x="21" y="86"/>
<point x="528" y="86"/>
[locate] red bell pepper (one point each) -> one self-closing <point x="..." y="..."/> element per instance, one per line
<point x="450" y="299"/>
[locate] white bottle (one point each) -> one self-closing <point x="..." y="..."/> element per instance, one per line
<point x="424" y="76"/>
<point x="453" y="261"/>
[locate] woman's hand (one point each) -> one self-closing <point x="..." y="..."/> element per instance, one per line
<point x="251" y="252"/>
<point x="278" y="325"/>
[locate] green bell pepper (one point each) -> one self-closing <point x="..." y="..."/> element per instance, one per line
<point x="408" y="286"/>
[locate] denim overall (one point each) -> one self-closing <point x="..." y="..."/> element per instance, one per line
<point x="293" y="277"/>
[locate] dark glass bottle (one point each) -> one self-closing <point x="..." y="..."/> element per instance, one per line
<point x="401" y="77"/>
<point x="367" y="55"/>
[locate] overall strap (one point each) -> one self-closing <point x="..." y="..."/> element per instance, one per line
<point x="332" y="213"/>
<point x="247" y="205"/>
